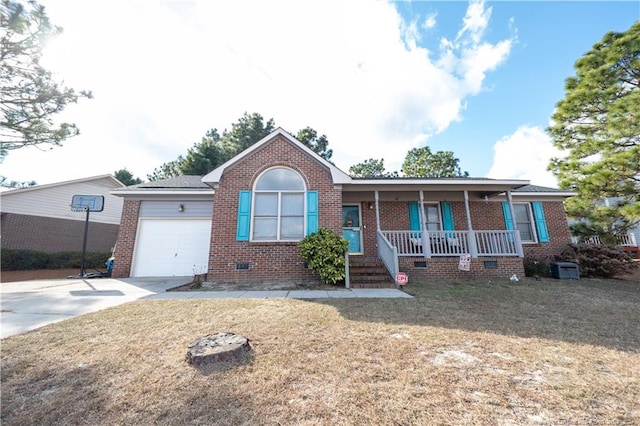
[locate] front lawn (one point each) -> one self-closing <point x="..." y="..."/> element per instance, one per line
<point x="532" y="352"/>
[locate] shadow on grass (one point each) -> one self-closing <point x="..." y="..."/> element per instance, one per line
<point x="594" y="312"/>
<point x="59" y="390"/>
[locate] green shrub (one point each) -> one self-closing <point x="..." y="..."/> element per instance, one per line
<point x="603" y="261"/>
<point x="21" y="260"/>
<point x="537" y="267"/>
<point x="324" y="252"/>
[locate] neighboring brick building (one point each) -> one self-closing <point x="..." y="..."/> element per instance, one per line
<point x="243" y="221"/>
<point x="40" y="218"/>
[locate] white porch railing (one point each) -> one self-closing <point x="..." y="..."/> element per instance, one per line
<point x="388" y="253"/>
<point x="498" y="243"/>
<point x="628" y="240"/>
<point x="455" y="243"/>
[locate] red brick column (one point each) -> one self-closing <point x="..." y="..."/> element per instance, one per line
<point x="126" y="239"/>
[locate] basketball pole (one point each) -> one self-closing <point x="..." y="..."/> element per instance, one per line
<point x="84" y="243"/>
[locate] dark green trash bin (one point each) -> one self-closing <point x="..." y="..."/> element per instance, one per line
<point x="565" y="271"/>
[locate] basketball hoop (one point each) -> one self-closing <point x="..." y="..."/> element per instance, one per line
<point x="86" y="204"/>
<point x="83" y="203"/>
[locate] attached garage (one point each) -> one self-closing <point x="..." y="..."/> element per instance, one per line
<point x="172" y="239"/>
<point x="172" y="248"/>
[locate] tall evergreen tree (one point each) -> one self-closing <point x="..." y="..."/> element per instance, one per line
<point x="597" y="125"/>
<point x="30" y="97"/>
<point x="126" y="177"/>
<point x="371" y="168"/>
<point x="214" y="149"/>
<point x="249" y="129"/>
<point x="318" y="144"/>
<point x="422" y="163"/>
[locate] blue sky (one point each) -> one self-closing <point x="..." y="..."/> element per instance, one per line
<point x="524" y="90"/>
<point x="480" y="79"/>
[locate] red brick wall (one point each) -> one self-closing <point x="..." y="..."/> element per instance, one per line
<point x="271" y="261"/>
<point x="51" y="235"/>
<point x="126" y="239"/>
<point x="393" y="216"/>
<point x="484" y="216"/>
<point x="559" y="235"/>
<point x="490" y="216"/>
<point x="447" y="268"/>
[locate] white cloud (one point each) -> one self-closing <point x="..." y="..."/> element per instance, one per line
<point x="475" y="21"/>
<point x="525" y="154"/>
<point x="430" y="21"/>
<point x="165" y="72"/>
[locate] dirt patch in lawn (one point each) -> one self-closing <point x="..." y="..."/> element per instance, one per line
<point x="464" y="352"/>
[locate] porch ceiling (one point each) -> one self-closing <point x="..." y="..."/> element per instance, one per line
<point x="352" y="197"/>
<point x="449" y="188"/>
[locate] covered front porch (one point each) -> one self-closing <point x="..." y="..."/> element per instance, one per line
<point x="432" y="219"/>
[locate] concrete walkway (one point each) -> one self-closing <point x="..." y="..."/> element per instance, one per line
<point x="27" y="305"/>
<point x="385" y="293"/>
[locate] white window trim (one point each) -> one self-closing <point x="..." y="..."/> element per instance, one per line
<point x="359" y="206"/>
<point x="532" y="224"/>
<point x="279" y="216"/>
<point x="438" y="209"/>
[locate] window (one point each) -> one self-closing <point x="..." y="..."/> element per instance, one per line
<point x="278" y="206"/>
<point x="530" y="220"/>
<point x="524" y="222"/>
<point x="438" y="216"/>
<point x="432" y="212"/>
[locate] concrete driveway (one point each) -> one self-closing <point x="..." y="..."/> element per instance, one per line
<point x="27" y="305"/>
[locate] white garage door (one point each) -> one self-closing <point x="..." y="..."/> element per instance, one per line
<point x="171" y="247"/>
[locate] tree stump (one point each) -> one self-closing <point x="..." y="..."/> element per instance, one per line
<point x="217" y="348"/>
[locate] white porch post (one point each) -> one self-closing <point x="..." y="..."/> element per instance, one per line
<point x="426" y="247"/>
<point x="347" y="279"/>
<point x="518" y="241"/>
<point x="471" y="236"/>
<point x="377" y="211"/>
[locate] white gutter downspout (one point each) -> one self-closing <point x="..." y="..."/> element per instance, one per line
<point x="515" y="224"/>
<point x="471" y="237"/>
<point x="426" y="247"/>
<point x="377" y="211"/>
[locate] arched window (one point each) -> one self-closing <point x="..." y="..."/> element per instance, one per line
<point x="278" y="206"/>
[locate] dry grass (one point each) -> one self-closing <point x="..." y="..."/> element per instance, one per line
<point x="534" y="352"/>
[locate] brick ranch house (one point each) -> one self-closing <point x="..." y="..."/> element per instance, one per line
<point x="243" y="220"/>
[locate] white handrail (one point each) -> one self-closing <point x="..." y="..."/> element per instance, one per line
<point x="628" y="240"/>
<point x="388" y="253"/>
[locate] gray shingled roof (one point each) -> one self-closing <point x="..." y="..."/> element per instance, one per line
<point x="461" y="178"/>
<point x="195" y="183"/>
<point x="178" y="182"/>
<point x="536" y="188"/>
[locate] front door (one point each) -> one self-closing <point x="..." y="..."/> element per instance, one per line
<point x="351" y="228"/>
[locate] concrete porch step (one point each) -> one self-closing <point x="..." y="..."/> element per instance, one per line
<point x="369" y="273"/>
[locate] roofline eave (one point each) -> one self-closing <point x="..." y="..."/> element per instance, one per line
<point x="147" y="192"/>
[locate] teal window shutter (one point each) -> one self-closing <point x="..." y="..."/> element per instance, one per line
<point x="508" y="222"/>
<point x="244" y="216"/>
<point x="447" y="216"/>
<point x="312" y="212"/>
<point x="414" y="216"/>
<point x="541" y="223"/>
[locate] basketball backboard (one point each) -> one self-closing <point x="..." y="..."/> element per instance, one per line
<point x="95" y="203"/>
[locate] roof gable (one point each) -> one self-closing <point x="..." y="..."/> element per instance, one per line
<point x="53" y="200"/>
<point x="109" y="178"/>
<point x="338" y="176"/>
